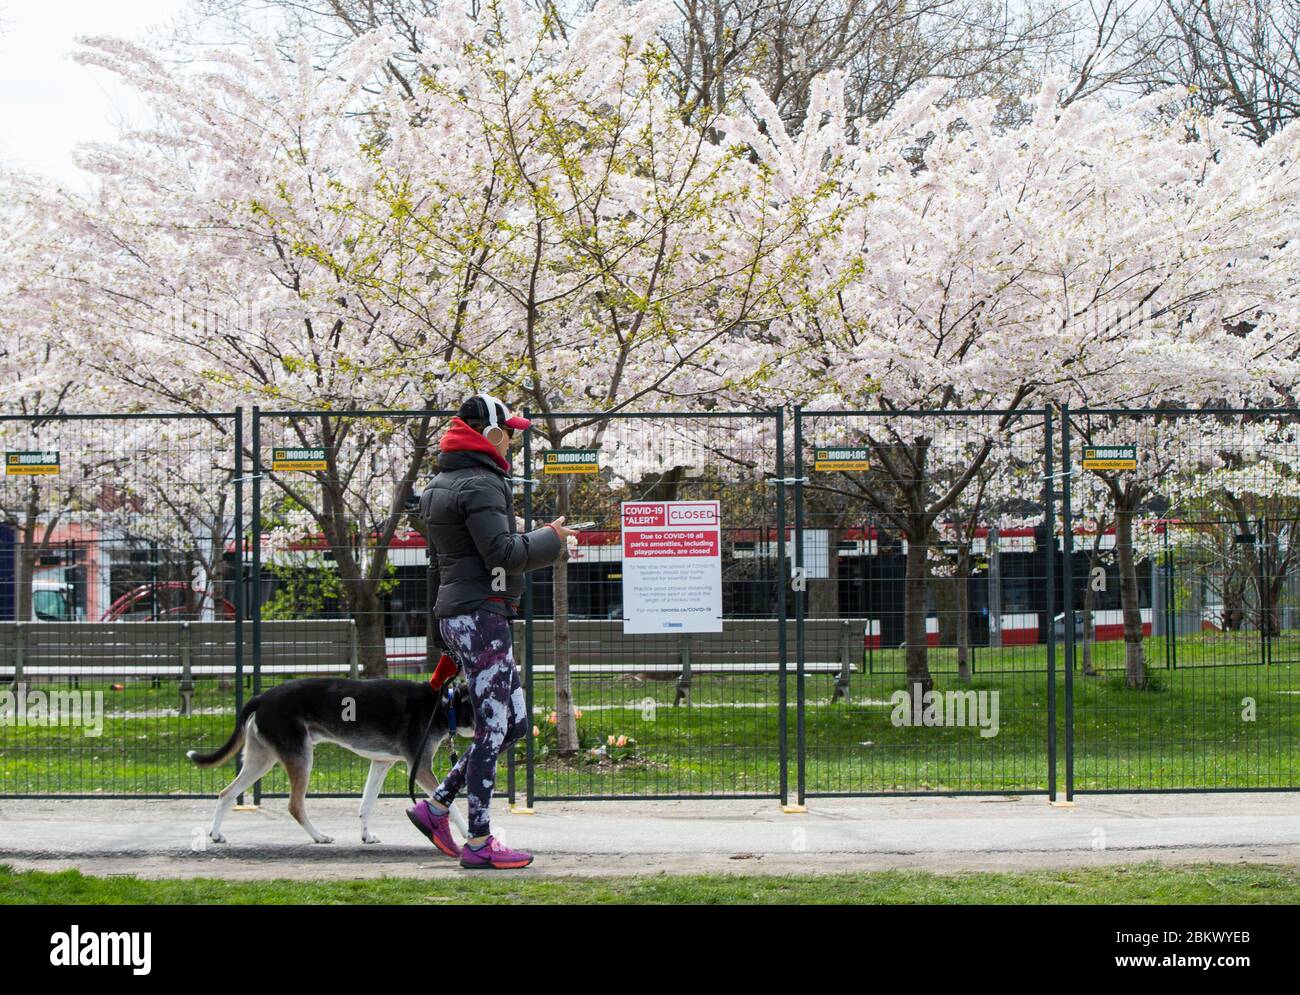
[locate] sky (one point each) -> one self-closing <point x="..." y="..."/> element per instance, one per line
<point x="48" y="103"/>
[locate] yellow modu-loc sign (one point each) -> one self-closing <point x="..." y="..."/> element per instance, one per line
<point x="571" y="461"/>
<point x="841" y="458"/>
<point x="308" y="460"/>
<point x="31" y="464"/>
<point x="1110" y="457"/>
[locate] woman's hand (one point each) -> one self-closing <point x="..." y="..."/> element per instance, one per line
<point x="560" y="530"/>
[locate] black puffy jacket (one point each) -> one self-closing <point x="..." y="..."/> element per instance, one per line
<point x="471" y="525"/>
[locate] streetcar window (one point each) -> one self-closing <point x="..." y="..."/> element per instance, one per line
<point x="50" y="606"/>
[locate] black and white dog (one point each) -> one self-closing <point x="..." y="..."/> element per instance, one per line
<point x="382" y="720"/>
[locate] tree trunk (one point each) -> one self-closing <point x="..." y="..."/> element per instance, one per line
<point x="963" y="614"/>
<point x="914" y="587"/>
<point x="23" y="589"/>
<point x="1134" y="659"/>
<point x="27" y="555"/>
<point x="1089" y="601"/>
<point x="215" y="597"/>
<point x="1267" y="585"/>
<point x="1273" y="609"/>
<point x="371" y="649"/>
<point x="566" y="722"/>
<point x="193" y="600"/>
<point x="1088" y="632"/>
<point x="824" y="593"/>
<point x="362" y="598"/>
<point x="943" y="596"/>
<point x="1234" y="598"/>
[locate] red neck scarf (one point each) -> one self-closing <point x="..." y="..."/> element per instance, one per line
<point x="461" y="438"/>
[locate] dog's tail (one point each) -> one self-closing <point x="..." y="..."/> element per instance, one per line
<point x="231" y="746"/>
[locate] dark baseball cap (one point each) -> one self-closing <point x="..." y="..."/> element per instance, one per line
<point x="475" y="408"/>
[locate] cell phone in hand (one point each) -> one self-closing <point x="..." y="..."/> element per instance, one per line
<point x="579" y="526"/>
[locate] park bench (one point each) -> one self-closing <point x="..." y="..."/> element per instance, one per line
<point x="598" y="646"/>
<point x="183" y="650"/>
<point x="186" y="650"/>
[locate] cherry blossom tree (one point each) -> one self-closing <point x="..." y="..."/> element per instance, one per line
<point x="532" y="220"/>
<point x="996" y="268"/>
<point x="39" y="381"/>
<point x="268" y="304"/>
<point x="630" y="259"/>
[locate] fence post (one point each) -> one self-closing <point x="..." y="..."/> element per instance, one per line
<point x="1049" y="504"/>
<point x="1170" y="615"/>
<point x="20" y="652"/>
<point x="256" y="574"/>
<point x="238" y="588"/>
<point x="353" y="650"/>
<point x="530" y="774"/>
<point x="993" y="550"/>
<point x="782" y="579"/>
<point x="799" y="648"/>
<point x="1067" y="598"/>
<point x="1270" y="622"/>
<point x="1260" y="545"/>
<point x="187" y="673"/>
<point x="684" y="673"/>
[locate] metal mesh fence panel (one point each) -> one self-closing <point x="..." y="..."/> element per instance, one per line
<point x="927" y="602"/>
<point x="671" y="694"/>
<point x="341" y="569"/>
<point x="120" y="603"/>
<point x="1183" y="588"/>
<point x="342" y="557"/>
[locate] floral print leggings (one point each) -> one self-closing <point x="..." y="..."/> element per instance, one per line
<point x="480" y="642"/>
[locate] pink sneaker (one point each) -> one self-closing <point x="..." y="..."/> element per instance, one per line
<point x="493" y="854"/>
<point x="437" y="828"/>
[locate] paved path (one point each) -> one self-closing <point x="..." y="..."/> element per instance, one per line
<point x="167" y="838"/>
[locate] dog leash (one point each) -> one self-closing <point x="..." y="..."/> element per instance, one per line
<point x="442" y="675"/>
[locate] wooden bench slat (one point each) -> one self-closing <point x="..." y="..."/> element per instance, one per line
<point x="327" y="645"/>
<point x="166" y="648"/>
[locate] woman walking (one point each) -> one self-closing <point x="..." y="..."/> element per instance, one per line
<point x="480" y="561"/>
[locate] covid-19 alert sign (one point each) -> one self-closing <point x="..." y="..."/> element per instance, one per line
<point x="672" y="566"/>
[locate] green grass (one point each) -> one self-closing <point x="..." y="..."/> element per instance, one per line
<point x="1187" y="732"/>
<point x="1121" y="885"/>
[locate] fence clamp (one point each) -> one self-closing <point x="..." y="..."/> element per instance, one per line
<point x="251" y="476"/>
<point x="524" y="480"/>
<point x="1057" y="476"/>
<point x="786" y="480"/>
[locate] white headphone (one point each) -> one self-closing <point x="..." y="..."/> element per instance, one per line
<point x="492" y="427"/>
